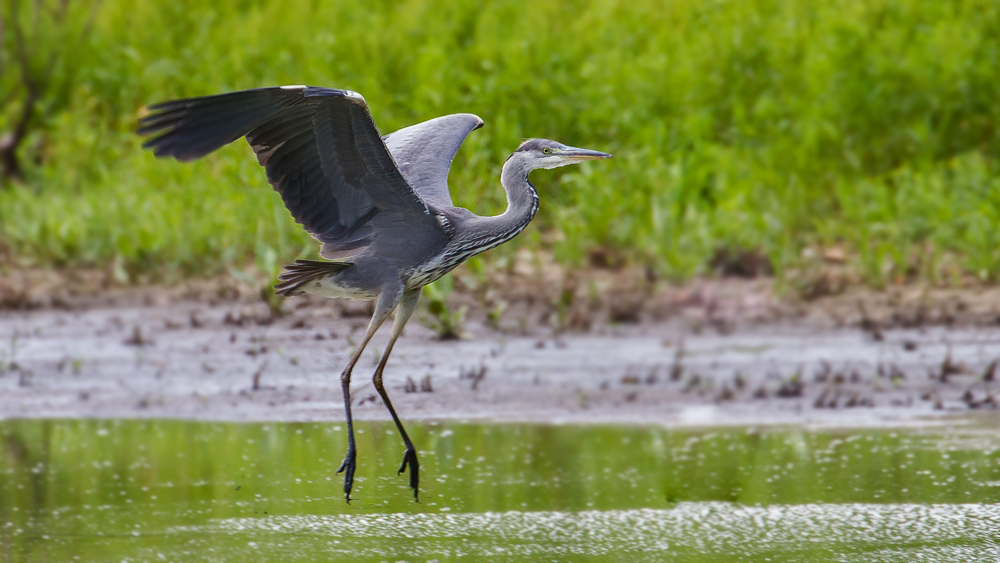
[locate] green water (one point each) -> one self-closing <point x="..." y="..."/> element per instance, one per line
<point x="194" y="491"/>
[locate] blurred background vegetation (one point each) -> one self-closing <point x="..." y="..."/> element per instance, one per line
<point x="791" y="132"/>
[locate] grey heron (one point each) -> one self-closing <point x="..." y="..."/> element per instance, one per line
<point x="380" y="206"/>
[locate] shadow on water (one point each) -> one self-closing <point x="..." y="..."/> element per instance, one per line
<point x="197" y="491"/>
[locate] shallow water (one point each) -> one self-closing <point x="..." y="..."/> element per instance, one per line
<point x="198" y="491"/>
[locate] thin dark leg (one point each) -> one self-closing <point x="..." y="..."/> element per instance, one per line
<point x="350" y="460"/>
<point x="406" y="307"/>
<point x="385" y="304"/>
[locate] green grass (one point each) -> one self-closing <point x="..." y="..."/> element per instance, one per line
<point x="770" y="125"/>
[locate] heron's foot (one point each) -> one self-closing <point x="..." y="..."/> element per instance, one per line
<point x="410" y="458"/>
<point x="347" y="468"/>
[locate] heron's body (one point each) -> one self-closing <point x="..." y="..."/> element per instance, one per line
<point x="380" y="206"/>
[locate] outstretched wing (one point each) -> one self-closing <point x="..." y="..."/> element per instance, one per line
<point x="322" y="153"/>
<point x="424" y="153"/>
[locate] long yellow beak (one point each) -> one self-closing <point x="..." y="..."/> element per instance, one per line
<point x="574" y="153"/>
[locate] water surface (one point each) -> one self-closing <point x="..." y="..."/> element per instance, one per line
<point x="200" y="491"/>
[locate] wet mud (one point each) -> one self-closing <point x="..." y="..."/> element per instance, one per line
<point x="234" y="361"/>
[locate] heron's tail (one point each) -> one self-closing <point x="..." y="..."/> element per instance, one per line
<point x="304" y="271"/>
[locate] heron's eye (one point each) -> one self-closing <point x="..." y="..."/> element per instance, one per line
<point x="546" y="150"/>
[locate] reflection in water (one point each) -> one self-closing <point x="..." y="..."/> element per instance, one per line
<point x="191" y="491"/>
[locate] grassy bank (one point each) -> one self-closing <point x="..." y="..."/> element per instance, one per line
<point x="780" y="127"/>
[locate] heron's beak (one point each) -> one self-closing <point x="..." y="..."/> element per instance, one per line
<point x="574" y="154"/>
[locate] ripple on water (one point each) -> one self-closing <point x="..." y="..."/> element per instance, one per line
<point x="188" y="491"/>
<point x="824" y="532"/>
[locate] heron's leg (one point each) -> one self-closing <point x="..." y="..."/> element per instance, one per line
<point x="386" y="302"/>
<point x="406" y="307"/>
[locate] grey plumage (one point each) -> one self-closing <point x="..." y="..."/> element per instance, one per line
<point x="424" y="153"/>
<point x="380" y="206"/>
<point x="298" y="274"/>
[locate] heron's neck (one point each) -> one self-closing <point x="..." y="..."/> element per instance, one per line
<point x="522" y="199"/>
<point x="483" y="233"/>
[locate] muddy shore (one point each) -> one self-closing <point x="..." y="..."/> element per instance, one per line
<point x="721" y="355"/>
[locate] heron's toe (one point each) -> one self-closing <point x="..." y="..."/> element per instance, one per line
<point x="347" y="467"/>
<point x="410" y="459"/>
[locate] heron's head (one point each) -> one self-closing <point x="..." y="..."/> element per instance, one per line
<point x="543" y="153"/>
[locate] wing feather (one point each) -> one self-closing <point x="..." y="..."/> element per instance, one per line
<point x="322" y="153"/>
<point x="424" y="153"/>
